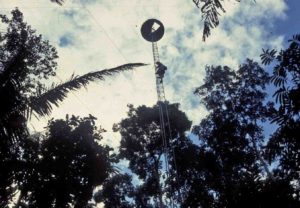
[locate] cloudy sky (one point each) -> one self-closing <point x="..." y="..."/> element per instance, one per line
<point x="97" y="34"/>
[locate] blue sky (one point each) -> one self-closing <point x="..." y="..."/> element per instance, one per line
<point x="98" y="34"/>
<point x="290" y="25"/>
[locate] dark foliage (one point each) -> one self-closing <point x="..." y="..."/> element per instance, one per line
<point x="141" y="144"/>
<point x="22" y="52"/>
<point x="286" y="77"/>
<point x="228" y="168"/>
<point x="210" y="13"/>
<point x="116" y="191"/>
<point x="284" y="145"/>
<point x="67" y="165"/>
<point x="27" y="62"/>
<point x="230" y="161"/>
<point x="268" y="56"/>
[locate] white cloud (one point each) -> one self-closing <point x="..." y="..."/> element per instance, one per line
<point x="240" y="35"/>
<point x="107" y="34"/>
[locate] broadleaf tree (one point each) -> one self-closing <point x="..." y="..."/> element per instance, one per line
<point x="67" y="165"/>
<point x="284" y="145"/>
<point x="234" y="172"/>
<point x="28" y="61"/>
<point x="141" y="144"/>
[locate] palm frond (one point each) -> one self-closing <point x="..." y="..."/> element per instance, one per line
<point x="41" y="104"/>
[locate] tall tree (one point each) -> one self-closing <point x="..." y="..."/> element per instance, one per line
<point x="27" y="62"/>
<point x="68" y="165"/>
<point x="141" y="144"/>
<point x="286" y="73"/>
<point x="117" y="191"/>
<point x="284" y="145"/>
<point x="231" y="137"/>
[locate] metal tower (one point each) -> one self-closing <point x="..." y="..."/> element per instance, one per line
<point x="159" y="81"/>
<point x="153" y="30"/>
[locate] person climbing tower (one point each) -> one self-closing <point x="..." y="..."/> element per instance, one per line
<point x="160" y="70"/>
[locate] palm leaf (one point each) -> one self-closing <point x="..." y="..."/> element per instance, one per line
<point x="41" y="104"/>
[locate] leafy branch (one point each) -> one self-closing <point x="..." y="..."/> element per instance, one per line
<point x="210" y="14"/>
<point x="287" y="68"/>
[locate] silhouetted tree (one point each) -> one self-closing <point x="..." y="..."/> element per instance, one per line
<point x="284" y="145"/>
<point x="286" y="77"/>
<point x="231" y="164"/>
<point x="116" y="191"/>
<point x="141" y="144"/>
<point x="26" y="62"/>
<point x="68" y="165"/>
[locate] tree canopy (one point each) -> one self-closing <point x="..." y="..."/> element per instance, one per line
<point x="284" y="145"/>
<point x="229" y="166"/>
<point x="231" y="139"/>
<point x="226" y="160"/>
<point x="142" y="145"/>
<point x="27" y="62"/>
<point x="69" y="163"/>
